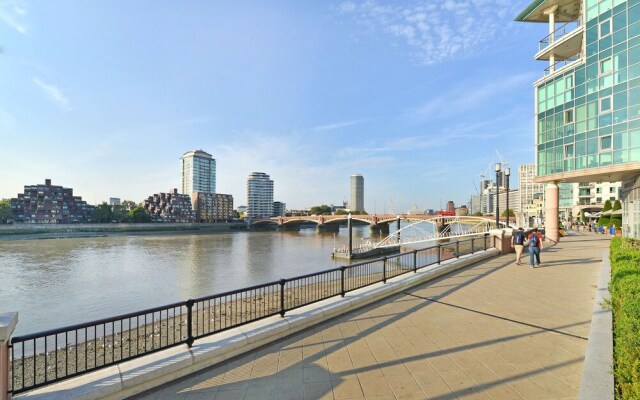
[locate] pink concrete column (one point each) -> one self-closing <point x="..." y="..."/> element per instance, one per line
<point x="8" y="323"/>
<point x="551" y="212"/>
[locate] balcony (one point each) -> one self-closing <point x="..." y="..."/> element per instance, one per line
<point x="564" y="43"/>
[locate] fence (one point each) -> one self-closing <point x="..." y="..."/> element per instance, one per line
<point x="46" y="357"/>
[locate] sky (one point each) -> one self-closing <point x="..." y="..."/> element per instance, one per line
<point x="420" y="97"/>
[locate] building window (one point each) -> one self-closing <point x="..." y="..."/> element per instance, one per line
<point x="568" y="81"/>
<point x="605" y="104"/>
<point x="606" y="66"/>
<point x="605" y="143"/>
<point x="568" y="150"/>
<point x="612" y="190"/>
<point x="568" y="116"/>
<point x="605" y="28"/>
<point x="598" y="200"/>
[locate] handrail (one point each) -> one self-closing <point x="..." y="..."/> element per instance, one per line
<point x="559" y="33"/>
<point x="562" y="63"/>
<point x="42" y="358"/>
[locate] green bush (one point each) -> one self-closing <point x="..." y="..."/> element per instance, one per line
<point x="625" y="304"/>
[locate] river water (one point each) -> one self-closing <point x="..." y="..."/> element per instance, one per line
<point x="58" y="282"/>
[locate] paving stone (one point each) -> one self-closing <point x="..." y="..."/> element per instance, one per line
<point x="490" y="331"/>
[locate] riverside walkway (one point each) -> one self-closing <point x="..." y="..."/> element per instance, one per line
<point x="494" y="330"/>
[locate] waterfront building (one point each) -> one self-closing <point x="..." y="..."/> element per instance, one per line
<point x="530" y="193"/>
<point x="212" y="207"/>
<point x="587" y="102"/>
<point x="451" y="205"/>
<point x="474" y="204"/>
<point x="585" y="196"/>
<point x="357" y="193"/>
<point x="197" y="172"/>
<point x="259" y="195"/>
<point x="279" y="209"/>
<point x="50" y="204"/>
<point x="170" y="207"/>
<point x="114" y="201"/>
<point x="462" y="211"/>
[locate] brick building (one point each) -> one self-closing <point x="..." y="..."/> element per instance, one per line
<point x="49" y="204"/>
<point x="170" y="207"/>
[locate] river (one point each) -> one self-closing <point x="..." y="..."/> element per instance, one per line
<point x="58" y="282"/>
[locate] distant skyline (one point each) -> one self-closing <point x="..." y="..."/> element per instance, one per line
<point x="416" y="96"/>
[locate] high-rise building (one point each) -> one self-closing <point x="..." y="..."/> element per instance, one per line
<point x="259" y="195"/>
<point x="357" y="193"/>
<point x="587" y="101"/>
<point x="451" y="206"/>
<point x="197" y="172"/>
<point x="530" y="192"/>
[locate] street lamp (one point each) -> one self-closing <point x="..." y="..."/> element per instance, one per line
<point x="498" y="168"/>
<point x="507" y="172"/>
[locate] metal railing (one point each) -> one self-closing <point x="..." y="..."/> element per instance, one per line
<point x="562" y="63"/>
<point x="43" y="358"/>
<point x="559" y="33"/>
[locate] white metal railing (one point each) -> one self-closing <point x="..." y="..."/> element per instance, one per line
<point x="563" y="63"/>
<point x="559" y="33"/>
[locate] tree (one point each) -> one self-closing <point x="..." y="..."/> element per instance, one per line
<point x="119" y="213"/>
<point x="504" y="213"/>
<point x="5" y="211"/>
<point x="102" y="213"/>
<point x="583" y="217"/>
<point x="605" y="220"/>
<point x="616" y="219"/>
<point x="358" y="212"/>
<point x="341" y="211"/>
<point x="477" y="214"/>
<point x="139" y="214"/>
<point x="320" y="210"/>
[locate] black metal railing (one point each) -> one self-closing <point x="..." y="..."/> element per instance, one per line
<point x="46" y="357"/>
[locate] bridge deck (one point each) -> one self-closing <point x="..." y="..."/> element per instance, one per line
<point x="491" y="331"/>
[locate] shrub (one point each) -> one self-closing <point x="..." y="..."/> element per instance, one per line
<point x="625" y="304"/>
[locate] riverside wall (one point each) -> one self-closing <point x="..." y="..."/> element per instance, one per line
<point x="53" y="231"/>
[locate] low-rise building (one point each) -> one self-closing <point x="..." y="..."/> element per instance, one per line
<point x="49" y="204"/>
<point x="279" y="209"/>
<point x="212" y="207"/>
<point x="170" y="207"/>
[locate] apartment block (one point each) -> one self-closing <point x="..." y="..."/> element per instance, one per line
<point x="50" y="204"/>
<point x="170" y="207"/>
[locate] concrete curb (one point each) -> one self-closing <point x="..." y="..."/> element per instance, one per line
<point x="597" y="379"/>
<point x="136" y="376"/>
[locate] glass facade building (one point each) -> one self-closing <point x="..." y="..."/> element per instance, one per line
<point x="587" y="104"/>
<point x="259" y="195"/>
<point x="197" y="172"/>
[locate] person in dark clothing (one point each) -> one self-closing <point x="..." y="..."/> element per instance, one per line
<point x="535" y="245"/>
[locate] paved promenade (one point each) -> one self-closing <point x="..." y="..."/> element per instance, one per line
<point x="491" y="331"/>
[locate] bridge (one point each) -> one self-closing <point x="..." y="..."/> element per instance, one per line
<point x="421" y="231"/>
<point x="376" y="221"/>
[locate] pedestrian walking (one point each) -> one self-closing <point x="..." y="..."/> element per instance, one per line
<point x="535" y="245"/>
<point x="517" y="241"/>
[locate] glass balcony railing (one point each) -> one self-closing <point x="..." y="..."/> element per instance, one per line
<point x="559" y="33"/>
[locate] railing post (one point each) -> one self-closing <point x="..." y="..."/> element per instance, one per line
<point x="415" y="261"/>
<point x="458" y="249"/>
<point x="439" y="251"/>
<point x="342" y="291"/>
<point x="282" y="310"/>
<point x="8" y="323"/>
<point x="189" y="304"/>
<point x="384" y="269"/>
<point x="472" y="247"/>
<point x="486" y="235"/>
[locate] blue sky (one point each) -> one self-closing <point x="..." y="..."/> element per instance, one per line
<point x="416" y="96"/>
